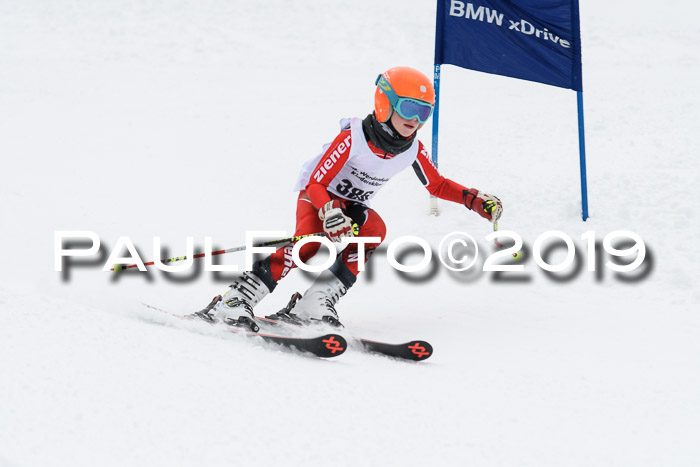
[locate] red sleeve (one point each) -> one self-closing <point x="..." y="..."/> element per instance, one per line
<point x="435" y="183"/>
<point x="327" y="168"/>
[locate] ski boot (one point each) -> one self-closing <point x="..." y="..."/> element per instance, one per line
<point x="318" y="303"/>
<point x="235" y="307"/>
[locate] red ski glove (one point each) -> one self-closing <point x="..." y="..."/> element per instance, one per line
<point x="487" y="206"/>
<point x="335" y="223"/>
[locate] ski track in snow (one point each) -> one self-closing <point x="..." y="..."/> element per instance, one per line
<point x="143" y="119"/>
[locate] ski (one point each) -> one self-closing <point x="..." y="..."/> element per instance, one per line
<point x="324" y="346"/>
<point x="416" y="350"/>
<point x="413" y="350"/>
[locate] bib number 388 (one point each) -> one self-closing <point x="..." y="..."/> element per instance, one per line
<point x="346" y="189"/>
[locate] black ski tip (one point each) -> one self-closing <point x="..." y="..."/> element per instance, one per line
<point x="419" y="350"/>
<point x="413" y="350"/>
<point x="330" y="345"/>
<point x="325" y="346"/>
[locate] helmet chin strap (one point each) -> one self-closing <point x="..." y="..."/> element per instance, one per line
<point x="388" y="118"/>
<point x="390" y="124"/>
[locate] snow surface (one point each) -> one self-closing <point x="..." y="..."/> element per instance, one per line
<point x="193" y="118"/>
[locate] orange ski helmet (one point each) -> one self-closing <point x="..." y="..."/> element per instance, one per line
<point x="406" y="83"/>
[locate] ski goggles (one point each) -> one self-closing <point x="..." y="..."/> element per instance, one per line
<point x="406" y="107"/>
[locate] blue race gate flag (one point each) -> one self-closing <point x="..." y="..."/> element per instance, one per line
<point x="535" y="40"/>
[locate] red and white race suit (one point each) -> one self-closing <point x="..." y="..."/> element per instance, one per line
<point x="354" y="170"/>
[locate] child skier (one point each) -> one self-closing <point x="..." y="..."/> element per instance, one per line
<point x="335" y="188"/>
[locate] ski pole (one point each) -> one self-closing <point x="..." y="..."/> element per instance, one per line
<point x="118" y="267"/>
<point x="517" y="255"/>
<point x="495" y="240"/>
